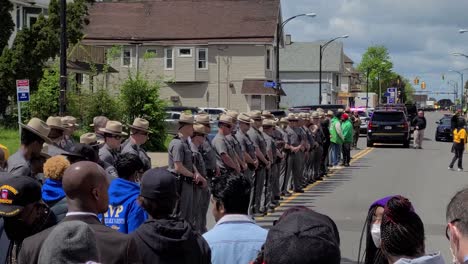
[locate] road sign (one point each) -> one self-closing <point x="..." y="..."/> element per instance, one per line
<point x="269" y="84"/>
<point x="390" y="100"/>
<point x="391" y="90"/>
<point x="22" y="90"/>
<point x="386" y="94"/>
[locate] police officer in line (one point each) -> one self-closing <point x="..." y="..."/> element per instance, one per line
<point x="304" y="148"/>
<point x="71" y="125"/>
<point x="247" y="145"/>
<point x="325" y="124"/>
<point x="207" y="151"/>
<point x="225" y="153"/>
<point x="309" y="150"/>
<point x="98" y="123"/>
<point x="200" y="200"/>
<point x="90" y="139"/>
<point x="318" y="136"/>
<point x="283" y="167"/>
<point x="294" y="160"/>
<point x="259" y="143"/>
<point x="272" y="183"/>
<point x="113" y="136"/>
<point x="139" y="132"/>
<point x="234" y="142"/>
<point x="181" y="166"/>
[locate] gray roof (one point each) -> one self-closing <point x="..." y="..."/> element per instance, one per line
<point x="304" y="56"/>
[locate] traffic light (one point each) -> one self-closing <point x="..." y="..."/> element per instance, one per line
<point x="416" y="81"/>
<point x="423" y="85"/>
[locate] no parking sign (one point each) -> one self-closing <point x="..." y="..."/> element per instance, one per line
<point x="22" y="90"/>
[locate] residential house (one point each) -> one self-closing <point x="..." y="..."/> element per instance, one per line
<point x="350" y="83"/>
<point x="210" y="53"/>
<point x="25" y="13"/>
<point x="299" y="73"/>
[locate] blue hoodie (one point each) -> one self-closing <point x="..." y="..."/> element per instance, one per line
<point x="52" y="191"/>
<point x="124" y="214"/>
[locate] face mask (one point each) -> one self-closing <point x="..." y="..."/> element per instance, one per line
<point x="375" y="232"/>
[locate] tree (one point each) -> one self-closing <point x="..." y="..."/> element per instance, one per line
<point x="44" y="102"/>
<point x="6" y="22"/>
<point x="376" y="59"/>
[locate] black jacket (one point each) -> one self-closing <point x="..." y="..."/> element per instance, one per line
<point x="113" y="247"/>
<point x="419" y="122"/>
<point x="326" y="131"/>
<point x="172" y="241"/>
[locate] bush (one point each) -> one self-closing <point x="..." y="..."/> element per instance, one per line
<point x="140" y="98"/>
<point x="44" y="102"/>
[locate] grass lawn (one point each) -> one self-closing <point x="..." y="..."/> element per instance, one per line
<point x="10" y="139"/>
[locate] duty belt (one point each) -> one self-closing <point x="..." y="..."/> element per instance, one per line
<point x="181" y="177"/>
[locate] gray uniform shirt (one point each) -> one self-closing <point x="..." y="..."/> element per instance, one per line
<point x="179" y="150"/>
<point x="271" y="146"/>
<point x="294" y="139"/>
<point x="221" y="145"/>
<point x="258" y="139"/>
<point x="18" y="165"/>
<point x="198" y="160"/>
<point x="235" y="144"/>
<point x="108" y="155"/>
<point x="209" y="155"/>
<point x="140" y="152"/>
<point x="246" y="144"/>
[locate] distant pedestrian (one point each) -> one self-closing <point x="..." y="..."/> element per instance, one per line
<point x="357" y="129"/>
<point x="456" y="119"/>
<point x="163" y="238"/>
<point x="459" y="141"/>
<point x="419" y="124"/>
<point x="402" y="233"/>
<point x="139" y="135"/>
<point x="457" y="228"/>
<point x="347" y="128"/>
<point x="336" y="139"/>
<point x="235" y="238"/>
<point x="52" y="191"/>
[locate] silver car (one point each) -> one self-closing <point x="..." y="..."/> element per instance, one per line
<point x="172" y="122"/>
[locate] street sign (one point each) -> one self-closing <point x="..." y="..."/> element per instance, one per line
<point x="22" y="90"/>
<point x="386" y="94"/>
<point x="390" y="100"/>
<point x="269" y="84"/>
<point x="391" y="90"/>
<point x="364" y="98"/>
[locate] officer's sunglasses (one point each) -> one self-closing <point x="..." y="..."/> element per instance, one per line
<point x="447" y="228"/>
<point x="228" y="126"/>
<point x="116" y="137"/>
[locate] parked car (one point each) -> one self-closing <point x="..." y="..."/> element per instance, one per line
<point x="214" y="130"/>
<point x="172" y="122"/>
<point x="278" y="113"/>
<point x="444" y="130"/>
<point x="325" y="107"/>
<point x="179" y="109"/>
<point x="214" y="113"/>
<point x="388" y="126"/>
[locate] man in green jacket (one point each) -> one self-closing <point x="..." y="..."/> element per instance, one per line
<point x="347" y="128"/>
<point x="336" y="139"/>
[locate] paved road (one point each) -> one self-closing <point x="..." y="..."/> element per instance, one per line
<point x="420" y="175"/>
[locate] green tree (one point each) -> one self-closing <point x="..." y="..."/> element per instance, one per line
<point x="44" y="102"/>
<point x="6" y="22"/>
<point x="376" y="61"/>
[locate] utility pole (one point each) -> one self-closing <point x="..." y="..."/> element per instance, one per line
<point x="367" y="89"/>
<point x="63" y="56"/>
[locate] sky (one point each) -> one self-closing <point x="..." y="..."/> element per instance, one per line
<point x="419" y="34"/>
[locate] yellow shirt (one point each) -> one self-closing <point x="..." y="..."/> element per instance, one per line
<point x="5" y="150"/>
<point x="459" y="135"/>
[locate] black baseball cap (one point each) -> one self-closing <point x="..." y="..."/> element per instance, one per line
<point x="16" y="192"/>
<point x="158" y="183"/>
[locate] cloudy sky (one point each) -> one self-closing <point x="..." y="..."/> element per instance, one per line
<point x="419" y="34"/>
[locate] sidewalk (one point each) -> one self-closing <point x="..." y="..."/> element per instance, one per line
<point x="158" y="159"/>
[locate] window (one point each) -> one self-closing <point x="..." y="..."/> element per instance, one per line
<point x="79" y="78"/>
<point x="31" y="19"/>
<point x="256" y="102"/>
<point x="337" y="80"/>
<point x="127" y="57"/>
<point x="168" y="59"/>
<point x="268" y="59"/>
<point x="202" y="59"/>
<point x="185" y="52"/>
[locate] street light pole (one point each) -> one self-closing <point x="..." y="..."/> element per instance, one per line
<point x="63" y="55"/>
<point x="322" y="49"/>
<point x="279" y="33"/>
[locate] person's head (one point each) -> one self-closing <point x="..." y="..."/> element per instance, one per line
<point x="303" y="236"/>
<point x="268" y="126"/>
<point x="204" y="119"/>
<point x="330" y="114"/>
<point x="113" y="134"/>
<point x="139" y="131"/>
<point x="356" y="113"/>
<point x="158" y="193"/>
<point x="315" y="118"/>
<point x="199" y="134"/>
<point x="461" y="123"/>
<point x="186" y="122"/>
<point x="84" y="152"/>
<point x="34" y="135"/>
<point x="457" y="224"/>
<point x="225" y="125"/>
<point x="55" y="167"/>
<point x="293" y="121"/>
<point x="21" y="207"/>
<point x="57" y="128"/>
<point x="85" y="185"/>
<point x="344" y="117"/>
<point x="256" y="117"/>
<point x="70" y="124"/>
<point x="283" y="123"/>
<point x="244" y="122"/>
<point x="420" y="113"/>
<point x="69" y="242"/>
<point x="402" y="231"/>
<point x="230" y="195"/>
<point x="129" y="167"/>
<point x="338" y="114"/>
<point x="98" y="123"/>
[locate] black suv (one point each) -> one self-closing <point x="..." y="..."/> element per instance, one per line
<point x="388" y="126"/>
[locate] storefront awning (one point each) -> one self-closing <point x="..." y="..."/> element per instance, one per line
<point x="256" y="87"/>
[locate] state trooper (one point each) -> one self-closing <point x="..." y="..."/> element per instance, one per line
<point x="207" y="151"/>
<point x="90" y="139"/>
<point x="303" y="153"/>
<point x="259" y="143"/>
<point x="283" y="167"/>
<point x="199" y="200"/>
<point x="225" y="153"/>
<point x="139" y="132"/>
<point x="247" y="146"/>
<point x="113" y="136"/>
<point x="180" y="164"/>
<point x="272" y="179"/>
<point x="98" y="123"/>
<point x="239" y="156"/>
<point x="318" y="136"/>
<point x="294" y="160"/>
<point x="67" y="143"/>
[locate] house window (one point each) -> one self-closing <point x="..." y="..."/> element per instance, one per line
<point x="79" y="78"/>
<point x="185" y="52"/>
<point x="256" y="102"/>
<point x="127" y="57"/>
<point x="268" y="59"/>
<point x="168" y="59"/>
<point x="31" y="19"/>
<point x="337" y="80"/>
<point x="202" y="59"/>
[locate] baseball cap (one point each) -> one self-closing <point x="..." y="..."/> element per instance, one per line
<point x="158" y="183"/>
<point x="16" y="192"/>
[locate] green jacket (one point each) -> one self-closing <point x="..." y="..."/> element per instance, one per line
<point x="347" y="128"/>
<point x="334" y="134"/>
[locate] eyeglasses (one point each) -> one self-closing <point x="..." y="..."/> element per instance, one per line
<point x="228" y="126"/>
<point x="116" y="137"/>
<point x="447" y="228"/>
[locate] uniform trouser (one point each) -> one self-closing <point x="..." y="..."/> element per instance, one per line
<point x="310" y="175"/>
<point x="294" y="163"/>
<point x="318" y="153"/>
<point x="335" y="153"/>
<point x="196" y="201"/>
<point x="458" y="155"/>
<point x="346" y="153"/>
<point x="284" y="174"/>
<point x="267" y="188"/>
<point x="302" y="165"/>
<point x="418" y="137"/>
<point x="356" y="136"/>
<point x="275" y="181"/>
<point x="184" y="205"/>
<point x="249" y="175"/>
<point x="259" y="180"/>
<point x="325" y="161"/>
<point x="203" y="205"/>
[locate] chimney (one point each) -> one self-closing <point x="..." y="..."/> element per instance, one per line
<point x="288" y="40"/>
